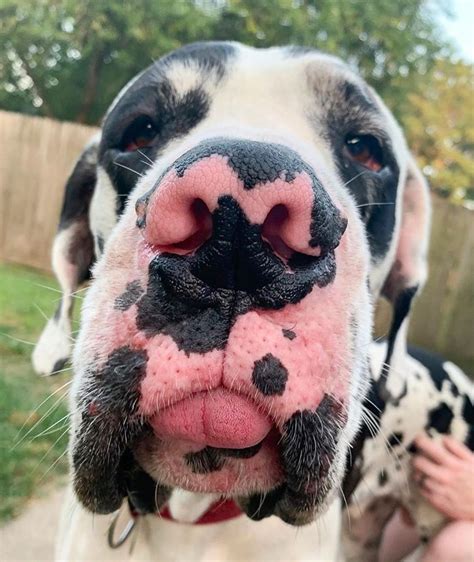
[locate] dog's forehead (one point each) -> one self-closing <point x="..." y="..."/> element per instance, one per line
<point x="302" y="81"/>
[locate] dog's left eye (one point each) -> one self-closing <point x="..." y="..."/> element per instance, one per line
<point x="366" y="150"/>
<point x="139" y="134"/>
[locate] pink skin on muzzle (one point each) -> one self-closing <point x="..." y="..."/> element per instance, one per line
<point x="193" y="400"/>
<point x="170" y="220"/>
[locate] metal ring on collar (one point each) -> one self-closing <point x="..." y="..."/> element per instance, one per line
<point x="127" y="531"/>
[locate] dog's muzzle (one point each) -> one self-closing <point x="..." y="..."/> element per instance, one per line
<point x="228" y="352"/>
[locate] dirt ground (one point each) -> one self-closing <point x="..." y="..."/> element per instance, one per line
<point x="31" y="535"/>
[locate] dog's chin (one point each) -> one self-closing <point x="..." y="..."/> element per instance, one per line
<point x="207" y="469"/>
<point x="254" y="478"/>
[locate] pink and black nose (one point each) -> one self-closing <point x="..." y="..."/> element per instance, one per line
<point x="243" y="213"/>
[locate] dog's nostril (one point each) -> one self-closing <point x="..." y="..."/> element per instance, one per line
<point x="202" y="229"/>
<point x="271" y="230"/>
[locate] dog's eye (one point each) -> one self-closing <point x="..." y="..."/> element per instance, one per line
<point x="139" y="134"/>
<point x="366" y="150"/>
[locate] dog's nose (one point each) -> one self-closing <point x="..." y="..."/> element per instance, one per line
<point x="240" y="204"/>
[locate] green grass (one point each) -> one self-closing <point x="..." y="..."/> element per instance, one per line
<point x="30" y="445"/>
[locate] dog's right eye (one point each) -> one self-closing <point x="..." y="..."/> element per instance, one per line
<point x="140" y="134"/>
<point x="366" y="150"/>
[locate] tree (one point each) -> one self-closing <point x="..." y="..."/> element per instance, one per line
<point x="439" y="123"/>
<point x="67" y="59"/>
<point x="85" y="51"/>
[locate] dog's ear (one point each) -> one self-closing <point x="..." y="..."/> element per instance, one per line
<point x="410" y="264"/>
<point x="72" y="257"/>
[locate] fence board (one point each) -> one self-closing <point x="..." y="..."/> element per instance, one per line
<point x="36" y="157"/>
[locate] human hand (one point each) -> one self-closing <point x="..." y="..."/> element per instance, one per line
<point x="445" y="473"/>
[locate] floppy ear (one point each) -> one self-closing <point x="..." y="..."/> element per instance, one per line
<point x="410" y="265"/>
<point x="72" y="257"/>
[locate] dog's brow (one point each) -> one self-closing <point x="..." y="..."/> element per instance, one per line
<point x="356" y="94"/>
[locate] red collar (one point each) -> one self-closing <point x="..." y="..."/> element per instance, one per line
<point x="219" y="511"/>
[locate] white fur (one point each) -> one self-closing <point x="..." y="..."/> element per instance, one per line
<point x="55" y="342"/>
<point x="102" y="215"/>
<point x="83" y="537"/>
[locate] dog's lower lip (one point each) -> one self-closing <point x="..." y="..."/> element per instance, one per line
<point x="217" y="418"/>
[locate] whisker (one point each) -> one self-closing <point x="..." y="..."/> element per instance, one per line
<point x="41" y="404"/>
<point x="55" y="405"/>
<point x="145" y="156"/>
<point x="129" y="169"/>
<point x="355" y="177"/>
<point x="375" y="204"/>
<point x="43" y="314"/>
<point x="47" y="287"/>
<point x="49" y="450"/>
<point x="17" y="339"/>
<point x="60" y="371"/>
<point x="48" y="429"/>
<point x="52" y="466"/>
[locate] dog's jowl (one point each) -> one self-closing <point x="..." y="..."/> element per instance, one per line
<point x="224" y="339"/>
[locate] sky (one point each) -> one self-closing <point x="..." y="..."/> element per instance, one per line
<point x="460" y="28"/>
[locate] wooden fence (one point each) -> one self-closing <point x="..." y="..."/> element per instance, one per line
<point x="36" y="156"/>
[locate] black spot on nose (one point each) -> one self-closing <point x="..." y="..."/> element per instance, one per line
<point x="270" y="375"/>
<point x="289" y="334"/>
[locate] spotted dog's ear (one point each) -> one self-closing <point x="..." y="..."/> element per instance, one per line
<point x="72" y="257"/>
<point x="410" y="264"/>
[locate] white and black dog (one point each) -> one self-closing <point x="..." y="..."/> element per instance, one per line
<point x="244" y="208"/>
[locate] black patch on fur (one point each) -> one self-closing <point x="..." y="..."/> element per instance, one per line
<point x="375" y="405"/>
<point x="211" y="459"/>
<point x="132" y="293"/>
<point x="205" y="461"/>
<point x="262" y="505"/>
<point x="350" y="110"/>
<point x="440" y="418"/>
<point x="59" y="365"/>
<point x="412" y="448"/>
<point x="383" y="477"/>
<point x="401" y="308"/>
<point x="101" y="440"/>
<point x="74" y="215"/>
<point x="358" y="94"/>
<point x="79" y="188"/>
<point x="307" y="452"/>
<point x="395" y="439"/>
<point x="100" y="243"/>
<point x="289" y="334"/>
<point x="434" y="363"/>
<point x="468" y="416"/>
<point x="269" y="375"/>
<point x="173" y="115"/>
<point x="145" y="495"/>
<point x="57" y="312"/>
<point x="196" y="299"/>
<point x="209" y="55"/>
